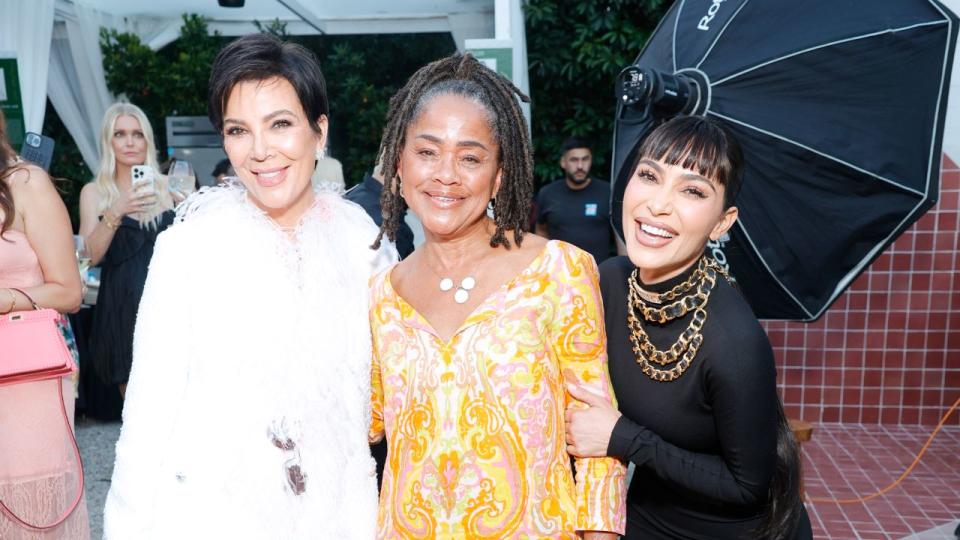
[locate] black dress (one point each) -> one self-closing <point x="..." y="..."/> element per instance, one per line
<point x="704" y="445"/>
<point x="123" y="272"/>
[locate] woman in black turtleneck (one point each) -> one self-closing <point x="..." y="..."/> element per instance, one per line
<point x="691" y="366"/>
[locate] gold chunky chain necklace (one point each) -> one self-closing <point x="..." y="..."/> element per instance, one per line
<point x="680" y="355"/>
<point x="674" y="293"/>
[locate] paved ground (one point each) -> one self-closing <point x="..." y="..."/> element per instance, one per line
<point x="840" y="457"/>
<point x="848" y="461"/>
<point x="96" y="441"/>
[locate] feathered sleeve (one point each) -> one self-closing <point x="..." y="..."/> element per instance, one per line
<point x="161" y="363"/>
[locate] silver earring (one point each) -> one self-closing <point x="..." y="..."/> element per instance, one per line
<point x="320" y="153"/>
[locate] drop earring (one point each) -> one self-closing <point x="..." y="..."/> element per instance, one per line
<point x="320" y="153"/>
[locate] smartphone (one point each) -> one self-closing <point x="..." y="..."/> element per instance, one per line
<point x="143" y="175"/>
<point x="37" y="149"/>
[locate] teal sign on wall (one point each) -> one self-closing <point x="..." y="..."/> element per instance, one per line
<point x="11" y="102"/>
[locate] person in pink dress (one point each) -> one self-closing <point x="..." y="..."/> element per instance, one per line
<point x="38" y="473"/>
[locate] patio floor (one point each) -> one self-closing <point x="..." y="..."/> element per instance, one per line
<point x="850" y="460"/>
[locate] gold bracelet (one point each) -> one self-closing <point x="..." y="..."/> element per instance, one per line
<point x="13" y="302"/>
<point x="111" y="224"/>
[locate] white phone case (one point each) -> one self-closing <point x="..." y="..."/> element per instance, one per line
<point x="143" y="174"/>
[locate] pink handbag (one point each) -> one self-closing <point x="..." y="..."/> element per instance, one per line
<point x="32" y="349"/>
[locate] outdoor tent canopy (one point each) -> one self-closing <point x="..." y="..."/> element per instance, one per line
<point x="57" y="41"/>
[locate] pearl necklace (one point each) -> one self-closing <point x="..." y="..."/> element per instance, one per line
<point x="462" y="293"/>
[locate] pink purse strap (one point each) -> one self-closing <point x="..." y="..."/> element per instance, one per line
<point x="76" y="452"/>
<point x="30" y="298"/>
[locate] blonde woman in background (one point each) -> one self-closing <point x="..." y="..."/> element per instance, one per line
<point x="120" y="222"/>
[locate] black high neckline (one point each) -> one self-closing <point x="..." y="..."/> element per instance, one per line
<point x="666" y="285"/>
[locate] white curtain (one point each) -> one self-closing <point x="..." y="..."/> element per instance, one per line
<point x="25" y="29"/>
<point x="67" y="94"/>
<point x="76" y="86"/>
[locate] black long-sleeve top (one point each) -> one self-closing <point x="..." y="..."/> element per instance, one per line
<point x="704" y="445"/>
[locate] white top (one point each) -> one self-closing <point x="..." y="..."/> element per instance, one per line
<point x="241" y="328"/>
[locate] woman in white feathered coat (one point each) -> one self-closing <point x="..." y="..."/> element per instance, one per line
<point x="247" y="410"/>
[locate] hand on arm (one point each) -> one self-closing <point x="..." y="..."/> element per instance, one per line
<point x="580" y="344"/>
<point x="588" y="430"/>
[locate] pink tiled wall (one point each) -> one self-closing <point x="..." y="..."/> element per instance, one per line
<point x="888" y="351"/>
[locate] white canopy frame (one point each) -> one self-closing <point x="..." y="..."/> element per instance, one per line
<point x="57" y="41"/>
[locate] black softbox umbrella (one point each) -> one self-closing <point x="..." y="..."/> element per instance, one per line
<point x="839" y="106"/>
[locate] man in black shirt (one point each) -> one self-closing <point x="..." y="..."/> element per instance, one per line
<point x="367" y="194"/>
<point x="576" y="208"/>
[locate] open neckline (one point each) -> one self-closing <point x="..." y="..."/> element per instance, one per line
<point x="477" y="314"/>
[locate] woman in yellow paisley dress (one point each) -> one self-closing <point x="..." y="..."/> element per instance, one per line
<point x="479" y="332"/>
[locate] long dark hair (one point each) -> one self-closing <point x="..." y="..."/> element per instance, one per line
<point x="701" y="144"/>
<point x="463" y="75"/>
<point x="7" y="167"/>
<point x="783" y="496"/>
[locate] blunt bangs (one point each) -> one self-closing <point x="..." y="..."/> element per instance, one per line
<point x="698" y="144"/>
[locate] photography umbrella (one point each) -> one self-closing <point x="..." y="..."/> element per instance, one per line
<point x="839" y="106"/>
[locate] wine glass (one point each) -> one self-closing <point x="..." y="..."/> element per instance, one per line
<point x="83" y="256"/>
<point x="182" y="178"/>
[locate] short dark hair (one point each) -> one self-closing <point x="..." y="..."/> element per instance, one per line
<point x="573" y="142"/>
<point x="463" y="75"/>
<point x="222" y="167"/>
<point x="700" y="144"/>
<point x="259" y="57"/>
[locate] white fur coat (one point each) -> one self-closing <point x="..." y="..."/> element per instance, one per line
<point x="241" y="328"/>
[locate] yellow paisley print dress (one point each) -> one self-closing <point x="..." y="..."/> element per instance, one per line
<point x="475" y="426"/>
